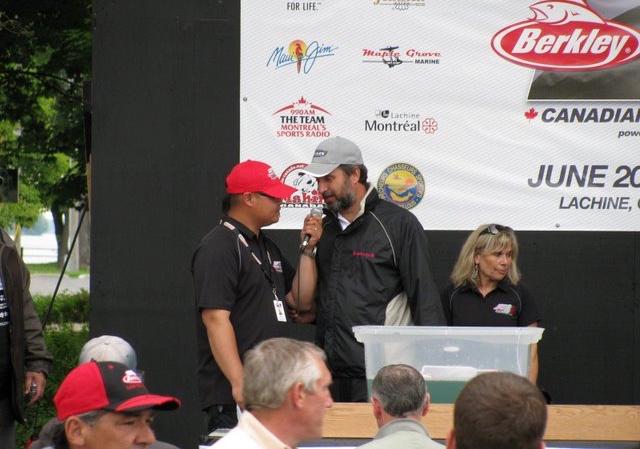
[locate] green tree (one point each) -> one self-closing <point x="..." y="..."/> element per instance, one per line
<point x="45" y="56"/>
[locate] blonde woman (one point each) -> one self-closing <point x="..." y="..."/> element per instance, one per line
<point x="485" y="287"/>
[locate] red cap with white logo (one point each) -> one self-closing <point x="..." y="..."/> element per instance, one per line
<point x="255" y="176"/>
<point x="106" y="386"/>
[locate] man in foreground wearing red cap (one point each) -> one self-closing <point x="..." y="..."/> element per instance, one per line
<point x="105" y="405"/>
<point x="242" y="286"/>
<point x="105" y="348"/>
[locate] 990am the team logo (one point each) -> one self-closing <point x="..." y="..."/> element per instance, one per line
<point x="402" y="184"/>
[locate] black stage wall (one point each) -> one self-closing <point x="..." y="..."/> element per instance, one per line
<point x="165" y="132"/>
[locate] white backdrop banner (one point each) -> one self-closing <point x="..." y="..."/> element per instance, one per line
<point x="516" y="112"/>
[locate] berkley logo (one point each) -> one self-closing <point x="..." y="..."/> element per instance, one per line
<point x="567" y="36"/>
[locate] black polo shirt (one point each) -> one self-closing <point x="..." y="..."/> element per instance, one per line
<point x="507" y="305"/>
<point x="226" y="276"/>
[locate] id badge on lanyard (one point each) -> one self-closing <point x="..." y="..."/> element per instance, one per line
<point x="278" y="305"/>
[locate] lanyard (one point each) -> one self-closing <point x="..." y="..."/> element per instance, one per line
<point x="257" y="260"/>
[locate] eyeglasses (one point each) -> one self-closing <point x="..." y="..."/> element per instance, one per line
<point x="495" y="229"/>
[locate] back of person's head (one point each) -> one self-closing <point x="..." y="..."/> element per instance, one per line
<point x="274" y="366"/>
<point x="109" y="348"/>
<point x="401" y="390"/>
<point x="499" y="410"/>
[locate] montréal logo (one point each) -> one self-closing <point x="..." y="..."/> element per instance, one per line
<point x="567" y="35"/>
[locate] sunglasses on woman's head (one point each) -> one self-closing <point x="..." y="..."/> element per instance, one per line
<point x="494" y="229"/>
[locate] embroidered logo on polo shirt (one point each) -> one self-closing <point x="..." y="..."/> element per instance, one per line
<point x="505" y="309"/>
<point x="277" y="266"/>
<point x="365" y="254"/>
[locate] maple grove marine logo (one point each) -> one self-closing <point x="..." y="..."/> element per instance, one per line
<point x="567" y="35"/>
<point x="393" y="56"/>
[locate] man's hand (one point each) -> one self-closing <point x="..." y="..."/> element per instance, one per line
<point x="37" y="381"/>
<point x="313" y="227"/>
<point x="236" y="391"/>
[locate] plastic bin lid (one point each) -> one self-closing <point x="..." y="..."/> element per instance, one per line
<point x="527" y="335"/>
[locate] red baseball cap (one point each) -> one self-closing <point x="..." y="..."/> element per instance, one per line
<point x="256" y="176"/>
<point x="106" y="386"/>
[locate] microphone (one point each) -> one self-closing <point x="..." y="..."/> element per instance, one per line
<point x="315" y="212"/>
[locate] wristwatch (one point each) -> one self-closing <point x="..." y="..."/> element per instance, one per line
<point x="310" y="253"/>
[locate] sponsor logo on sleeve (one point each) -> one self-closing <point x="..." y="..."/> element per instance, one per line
<point x="277" y="266"/>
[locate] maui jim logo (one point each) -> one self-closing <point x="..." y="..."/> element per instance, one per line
<point x="300" y="54"/>
<point x="567" y="36"/>
<point x="320" y="153"/>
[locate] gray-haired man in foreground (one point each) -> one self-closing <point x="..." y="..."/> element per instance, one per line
<point x="286" y="393"/>
<point x="400" y="399"/>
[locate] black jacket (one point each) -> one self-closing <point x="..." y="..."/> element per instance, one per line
<point x="361" y="270"/>
<point x="28" y="350"/>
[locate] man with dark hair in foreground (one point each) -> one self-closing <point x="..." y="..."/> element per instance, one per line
<point x="498" y="410"/>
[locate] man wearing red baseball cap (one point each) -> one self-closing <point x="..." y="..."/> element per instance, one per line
<point x="242" y="286"/>
<point x="105" y="405"/>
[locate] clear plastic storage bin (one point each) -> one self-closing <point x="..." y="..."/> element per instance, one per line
<point x="447" y="357"/>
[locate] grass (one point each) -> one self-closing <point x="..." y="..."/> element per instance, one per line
<point x="52" y="268"/>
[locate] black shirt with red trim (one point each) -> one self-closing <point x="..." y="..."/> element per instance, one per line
<point x="507" y="305"/>
<point x="226" y="276"/>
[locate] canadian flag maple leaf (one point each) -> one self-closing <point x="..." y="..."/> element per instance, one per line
<point x="531" y="114"/>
